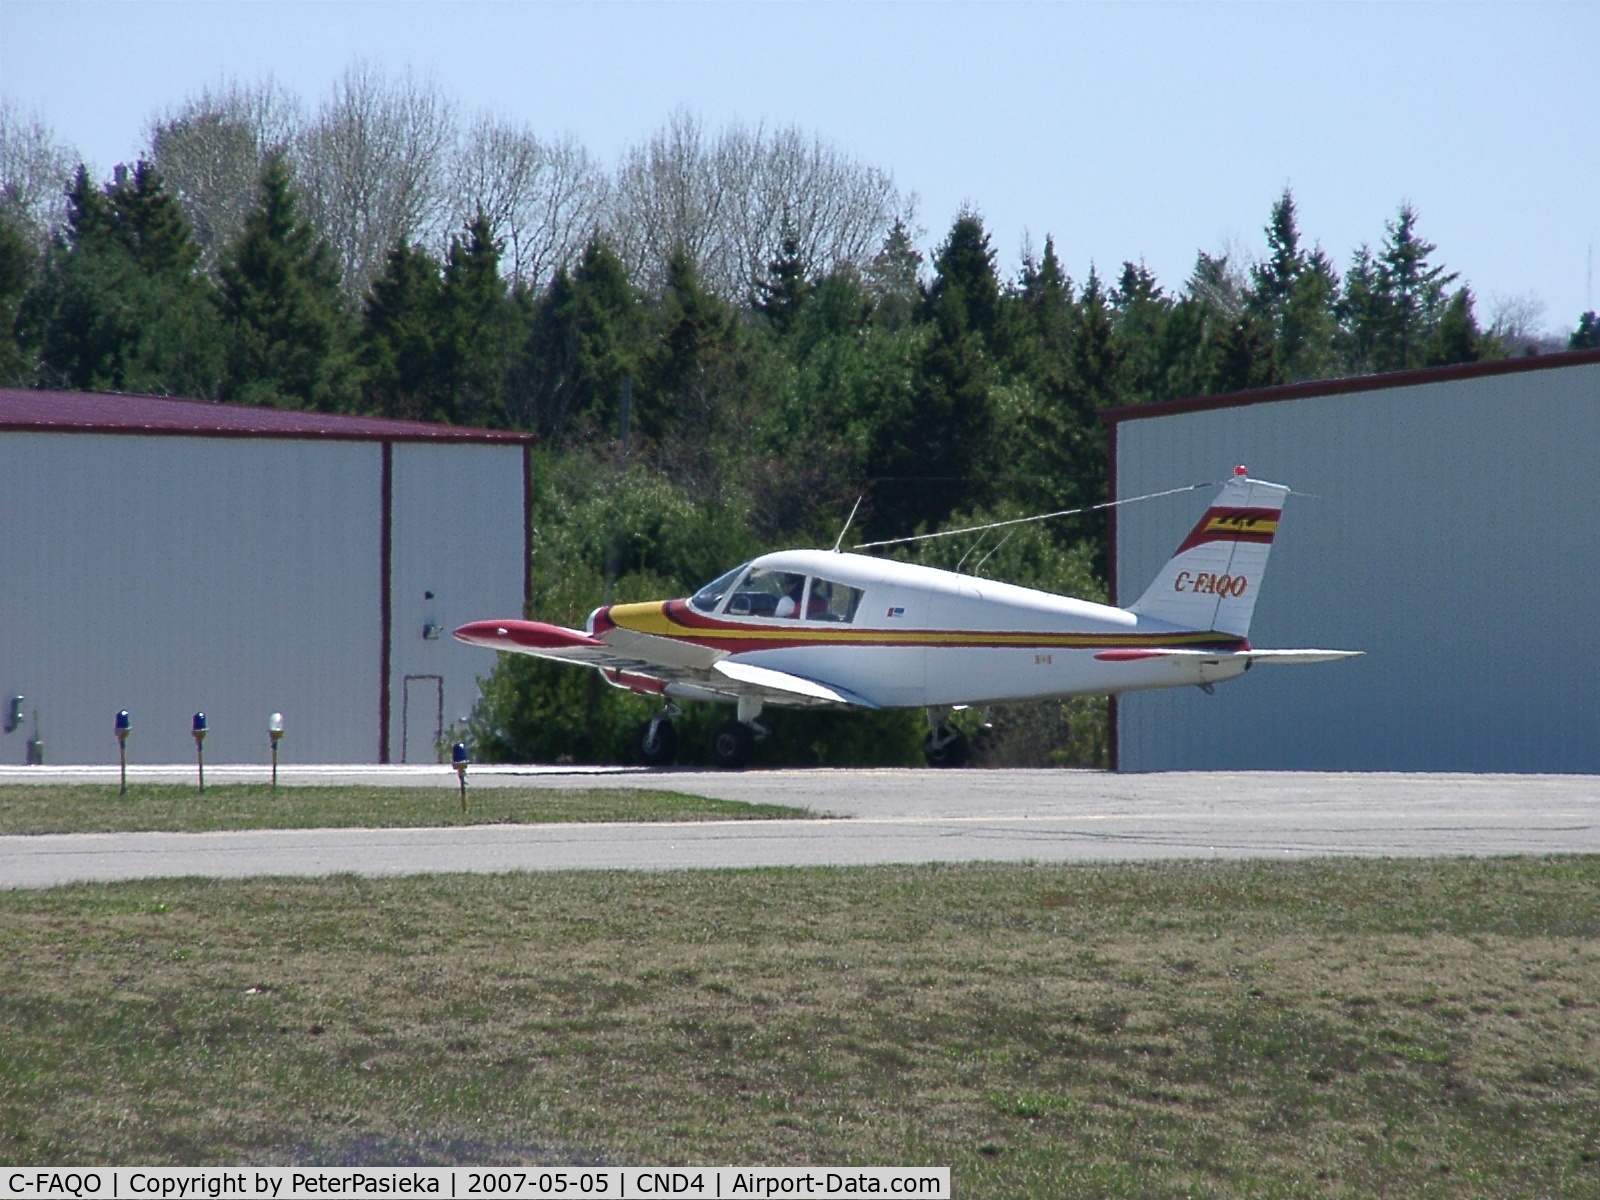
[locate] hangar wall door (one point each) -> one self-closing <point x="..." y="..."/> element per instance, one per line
<point x="422" y="719"/>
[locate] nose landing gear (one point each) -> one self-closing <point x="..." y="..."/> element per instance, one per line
<point x="658" y="739"/>
<point x="945" y="745"/>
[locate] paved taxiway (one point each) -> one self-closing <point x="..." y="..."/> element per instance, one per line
<point x="884" y="816"/>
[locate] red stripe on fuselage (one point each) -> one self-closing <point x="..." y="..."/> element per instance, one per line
<point x="735" y="638"/>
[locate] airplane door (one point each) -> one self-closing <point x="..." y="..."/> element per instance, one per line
<point x="422" y="719"/>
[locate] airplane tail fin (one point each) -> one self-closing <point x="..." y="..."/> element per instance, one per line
<point x="1212" y="580"/>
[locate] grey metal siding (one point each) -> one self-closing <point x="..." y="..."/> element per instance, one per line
<point x="458" y="533"/>
<point x="169" y="574"/>
<point x="1449" y="531"/>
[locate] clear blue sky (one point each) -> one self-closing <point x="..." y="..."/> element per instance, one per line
<point x="1127" y="131"/>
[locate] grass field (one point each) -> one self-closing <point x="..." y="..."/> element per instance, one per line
<point x="95" y="808"/>
<point x="1334" y="1028"/>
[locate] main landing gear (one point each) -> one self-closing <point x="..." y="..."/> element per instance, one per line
<point x="732" y="742"/>
<point x="945" y="745"/>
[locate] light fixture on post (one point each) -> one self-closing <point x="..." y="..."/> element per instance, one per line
<point x="199" y="747"/>
<point x="123" y="725"/>
<point x="275" y="732"/>
<point x="458" y="759"/>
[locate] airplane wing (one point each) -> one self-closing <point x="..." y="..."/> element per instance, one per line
<point x="1264" y="656"/>
<point x="723" y="680"/>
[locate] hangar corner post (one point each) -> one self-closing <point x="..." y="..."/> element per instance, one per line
<point x="385" y="597"/>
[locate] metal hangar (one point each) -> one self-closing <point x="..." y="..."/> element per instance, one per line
<point x="1446" y="523"/>
<point x="175" y="556"/>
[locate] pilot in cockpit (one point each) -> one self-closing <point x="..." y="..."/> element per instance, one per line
<point x="789" y="602"/>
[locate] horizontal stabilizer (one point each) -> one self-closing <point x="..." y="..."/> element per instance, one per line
<point x="784" y="684"/>
<point x="1267" y="656"/>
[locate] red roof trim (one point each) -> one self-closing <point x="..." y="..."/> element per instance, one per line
<point x="29" y="411"/>
<point x="1357" y="383"/>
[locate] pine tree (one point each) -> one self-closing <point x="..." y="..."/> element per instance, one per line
<point x="965" y="295"/>
<point x="780" y="295"/>
<point x="692" y="394"/>
<point x="1362" y="314"/>
<point x="893" y="279"/>
<point x="1139" y="318"/>
<point x="289" y="337"/>
<point x="17" y="265"/>
<point x="1097" y="358"/>
<point x="1046" y="298"/>
<point x="1587" y="335"/>
<point x="1295" y="293"/>
<point x="939" y="451"/>
<point x="476" y="321"/>
<point x="122" y="305"/>
<point x="1050" y="426"/>
<point x="1410" y="292"/>
<point x="1243" y="355"/>
<point x="1456" y="338"/>
<point x="399" y="336"/>
<point x="584" y="339"/>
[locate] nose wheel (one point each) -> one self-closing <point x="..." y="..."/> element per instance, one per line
<point x="945" y="745"/>
<point x="658" y="740"/>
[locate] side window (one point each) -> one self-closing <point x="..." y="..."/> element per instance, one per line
<point x="768" y="593"/>
<point x="708" y="597"/>
<point x="831" y="601"/>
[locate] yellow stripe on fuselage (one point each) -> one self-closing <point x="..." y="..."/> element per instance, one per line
<point x="651" y="618"/>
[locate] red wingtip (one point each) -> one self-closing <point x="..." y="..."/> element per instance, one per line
<point x="513" y="635"/>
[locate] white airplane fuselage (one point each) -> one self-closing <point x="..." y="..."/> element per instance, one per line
<point x="922" y="637"/>
<point x="815" y="627"/>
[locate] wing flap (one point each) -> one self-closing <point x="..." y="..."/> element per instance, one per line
<point x="784" y="686"/>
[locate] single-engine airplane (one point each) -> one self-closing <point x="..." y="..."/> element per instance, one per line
<point x="807" y="628"/>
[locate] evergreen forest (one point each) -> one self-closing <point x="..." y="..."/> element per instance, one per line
<point x="784" y="346"/>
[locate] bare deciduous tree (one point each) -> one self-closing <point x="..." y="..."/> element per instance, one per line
<point x="1518" y="321"/>
<point x="666" y="197"/>
<point x="35" y="171"/>
<point x="210" y="151"/>
<point x="373" y="164"/>
<point x="542" y="199"/>
<point x="837" y="210"/>
<point x="729" y="202"/>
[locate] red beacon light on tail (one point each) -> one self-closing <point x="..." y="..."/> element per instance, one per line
<point x="1240" y="471"/>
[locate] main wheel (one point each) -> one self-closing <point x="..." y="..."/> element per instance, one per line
<point x="657" y="743"/>
<point x="946" y="748"/>
<point x="731" y="744"/>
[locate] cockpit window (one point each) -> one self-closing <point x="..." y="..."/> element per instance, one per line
<point x="831" y="601"/>
<point x="708" y="597"/>
<point x="768" y="593"/>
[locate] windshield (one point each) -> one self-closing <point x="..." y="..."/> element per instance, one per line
<point x="708" y="597"/>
